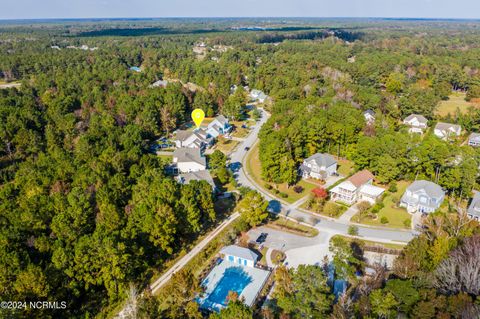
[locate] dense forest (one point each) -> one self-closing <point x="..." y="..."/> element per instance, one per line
<point x="86" y="209"/>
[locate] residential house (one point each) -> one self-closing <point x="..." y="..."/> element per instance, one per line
<point x="257" y="95"/>
<point x="219" y="126"/>
<point x="186" y="178"/>
<point x="357" y="188"/>
<point x="417" y="123"/>
<point x="369" y="116"/>
<point x="239" y="255"/>
<point x="447" y="130"/>
<point x="474" y="139"/>
<point x="189" y="160"/>
<point x="192" y="139"/>
<point x="318" y="166"/>
<point x="422" y="196"/>
<point x="473" y="210"/>
<point x="159" y="83"/>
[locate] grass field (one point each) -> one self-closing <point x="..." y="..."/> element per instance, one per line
<point x="372" y="243"/>
<point x="455" y="100"/>
<point x="345" y="167"/>
<point x="225" y="145"/>
<point x="396" y="216"/>
<point x="254" y="169"/>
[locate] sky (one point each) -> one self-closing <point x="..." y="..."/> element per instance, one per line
<point x="42" y="9"/>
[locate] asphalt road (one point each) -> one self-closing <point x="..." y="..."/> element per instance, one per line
<point x="324" y="224"/>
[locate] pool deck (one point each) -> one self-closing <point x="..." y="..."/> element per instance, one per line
<point x="256" y="279"/>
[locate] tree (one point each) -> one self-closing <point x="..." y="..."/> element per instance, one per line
<point x="178" y="296"/>
<point x="383" y="305"/>
<point x="217" y="160"/>
<point x="344" y="261"/>
<point x="303" y="293"/>
<point x="253" y="208"/>
<point x="234" y="310"/>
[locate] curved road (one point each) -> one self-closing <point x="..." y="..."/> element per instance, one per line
<point x="325" y="224"/>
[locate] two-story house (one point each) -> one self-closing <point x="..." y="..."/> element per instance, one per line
<point x="446" y="131"/>
<point x="357" y="188"/>
<point x="192" y="139"/>
<point x="318" y="166"/>
<point x="473" y="210"/>
<point x="422" y="196"/>
<point x="369" y="116"/>
<point x="218" y="126"/>
<point x="474" y="139"/>
<point x="416" y="123"/>
<point x="189" y="160"/>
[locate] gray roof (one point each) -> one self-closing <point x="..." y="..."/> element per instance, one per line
<point x="474" y="136"/>
<point x="474" y="207"/>
<point x="182" y="135"/>
<point x="222" y="120"/>
<point x="238" y="251"/>
<point x="420" y="118"/>
<point x="322" y="159"/>
<point x="431" y="189"/>
<point x="185" y="178"/>
<point x="189" y="155"/>
<point x="447" y="126"/>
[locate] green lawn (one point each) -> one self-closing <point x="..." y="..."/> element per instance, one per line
<point x="254" y="169"/>
<point x="239" y="131"/>
<point x="225" y="145"/>
<point x="455" y="100"/>
<point x="345" y="167"/>
<point x="396" y="216"/>
<point x="372" y="243"/>
<point x="293" y="227"/>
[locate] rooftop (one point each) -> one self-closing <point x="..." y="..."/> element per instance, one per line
<point x="430" y="188"/>
<point x="360" y="178"/>
<point x="322" y="159"/>
<point x="420" y="118"/>
<point x="204" y="175"/>
<point x="189" y="155"/>
<point x="238" y="251"/>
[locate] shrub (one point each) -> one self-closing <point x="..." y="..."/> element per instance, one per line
<point x="363" y="207"/>
<point x="384" y="220"/>
<point x="298" y="189"/>
<point x="283" y="195"/>
<point x="353" y="230"/>
<point x="407" y="223"/>
<point x="393" y="187"/>
<point x="320" y="192"/>
<point x="268" y="186"/>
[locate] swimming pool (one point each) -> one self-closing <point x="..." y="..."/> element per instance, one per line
<point x="234" y="279"/>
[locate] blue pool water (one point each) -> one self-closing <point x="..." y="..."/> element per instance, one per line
<point x="234" y="279"/>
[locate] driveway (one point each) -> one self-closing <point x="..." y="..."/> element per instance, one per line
<point x="349" y="213"/>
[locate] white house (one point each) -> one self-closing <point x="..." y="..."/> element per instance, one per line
<point x="474" y="139"/>
<point x="473" y="210"/>
<point x="357" y="188"/>
<point x="159" y="83"/>
<point x="369" y="116"/>
<point x="219" y="126"/>
<point x="422" y="196"/>
<point x="239" y="255"/>
<point x="186" y="178"/>
<point x="257" y="95"/>
<point x="319" y="166"/>
<point x="417" y="123"/>
<point x="192" y="139"/>
<point x="189" y="160"/>
<point x="447" y="130"/>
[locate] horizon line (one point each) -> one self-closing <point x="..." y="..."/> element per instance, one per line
<point x="242" y="17"/>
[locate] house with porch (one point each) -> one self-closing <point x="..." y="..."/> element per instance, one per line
<point x="192" y="139"/>
<point x="318" y="166"/>
<point x="189" y="160"/>
<point x="474" y="139"/>
<point x="422" y="196"/>
<point x="445" y="131"/>
<point x="416" y="123"/>
<point x="219" y="126"/>
<point x="358" y="187"/>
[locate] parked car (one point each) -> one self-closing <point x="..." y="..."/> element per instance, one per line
<point x="247" y="148"/>
<point x="261" y="238"/>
